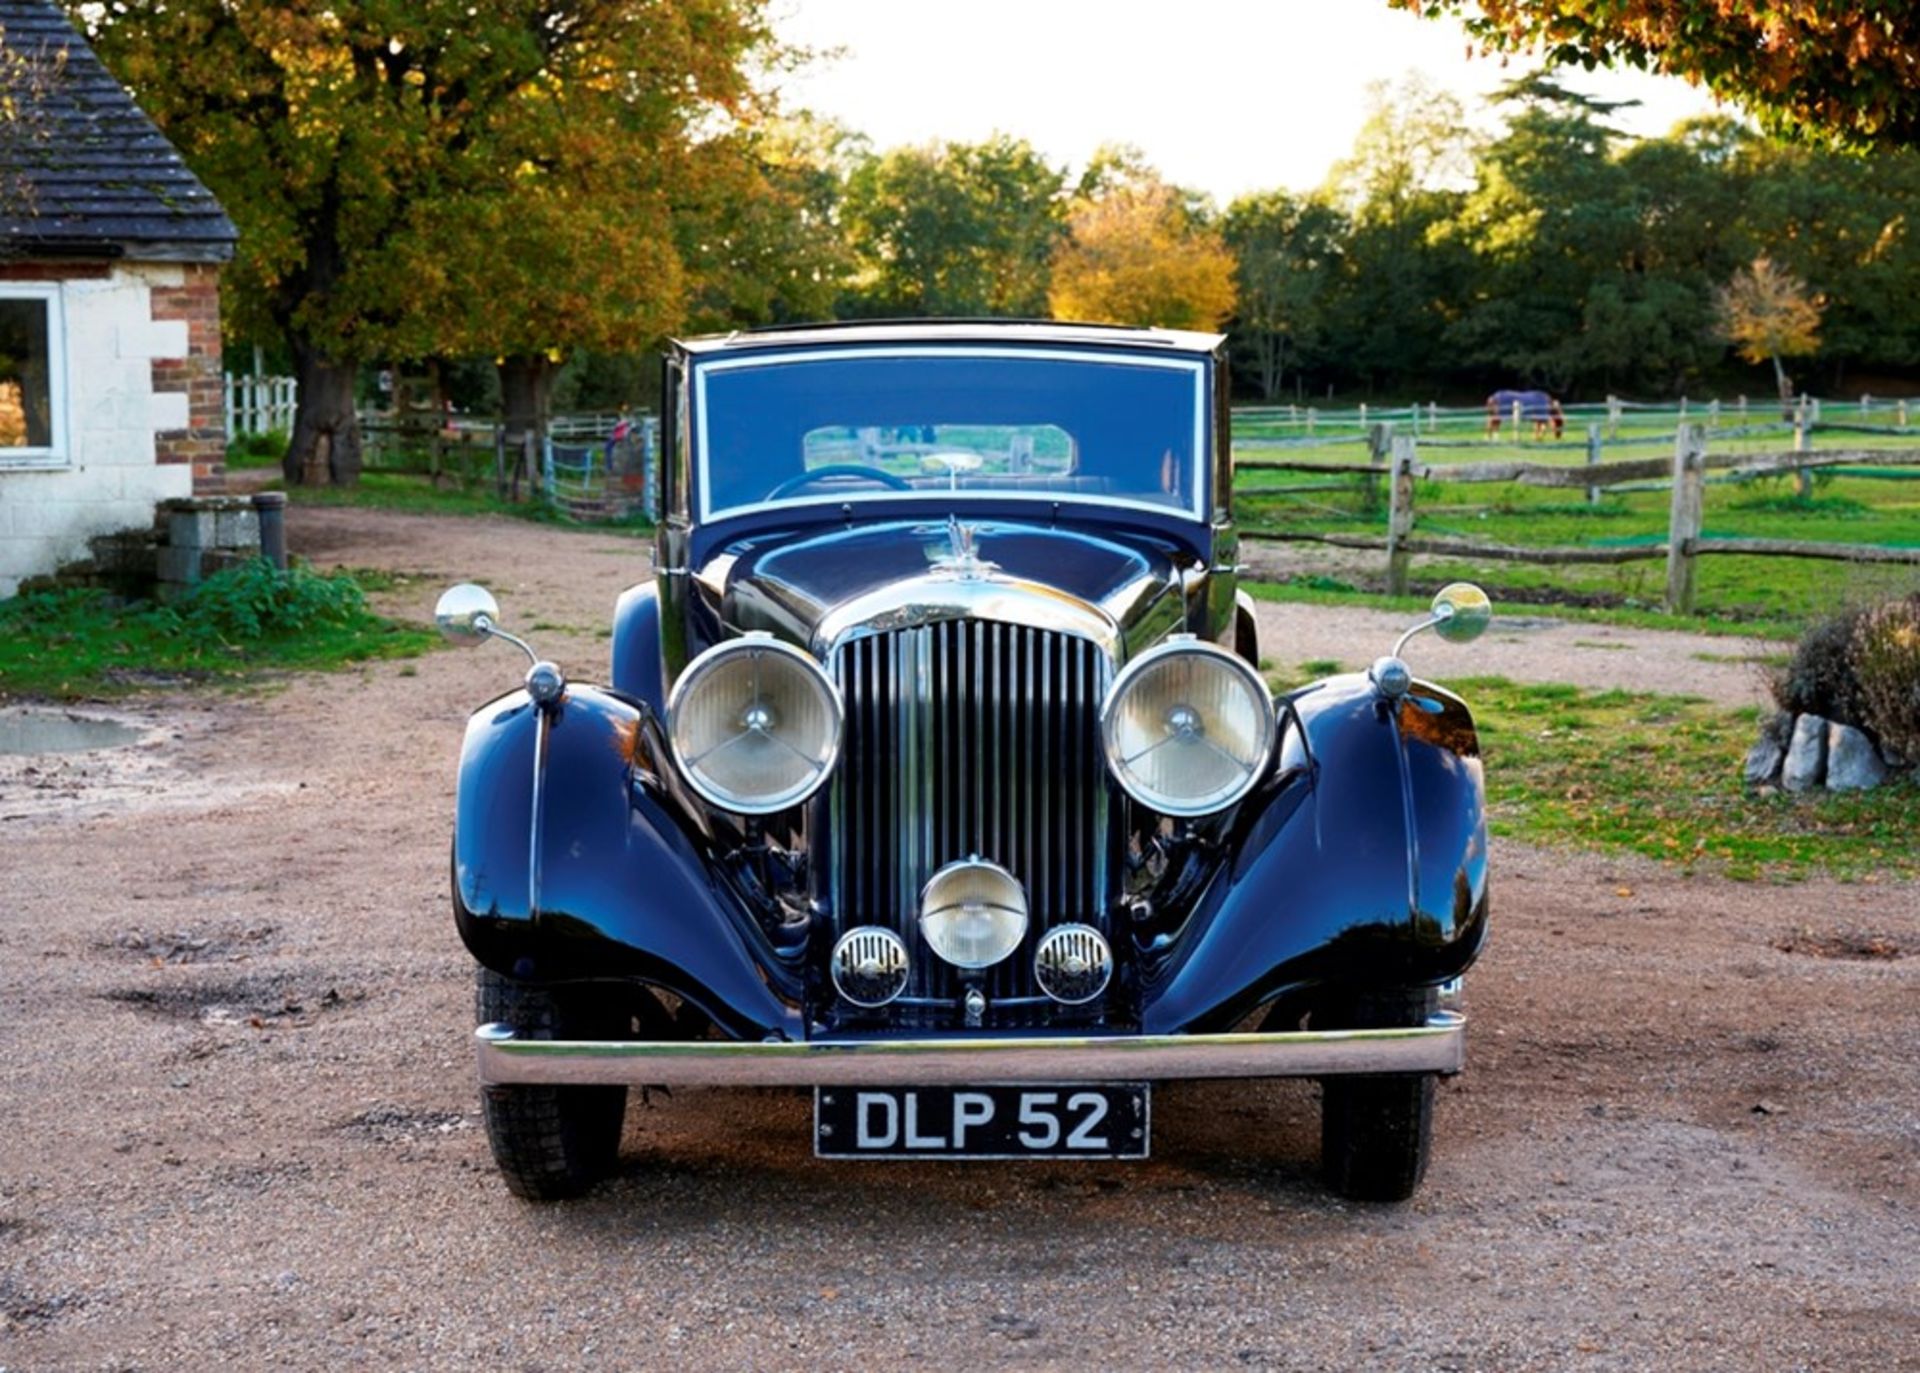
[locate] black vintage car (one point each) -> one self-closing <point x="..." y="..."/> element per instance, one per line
<point x="935" y="771"/>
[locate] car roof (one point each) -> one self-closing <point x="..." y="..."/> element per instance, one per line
<point x="1034" y="331"/>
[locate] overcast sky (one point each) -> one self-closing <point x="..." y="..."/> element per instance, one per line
<point x="1225" y="95"/>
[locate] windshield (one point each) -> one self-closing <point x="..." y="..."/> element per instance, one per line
<point x="846" y="425"/>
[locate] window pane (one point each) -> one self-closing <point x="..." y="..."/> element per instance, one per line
<point x="26" y="408"/>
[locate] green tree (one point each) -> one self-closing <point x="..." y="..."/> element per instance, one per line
<point x="1286" y="251"/>
<point x="414" y="178"/>
<point x="1398" y="281"/>
<point x="1847" y="227"/>
<point x="1829" y="69"/>
<point x="954" y="229"/>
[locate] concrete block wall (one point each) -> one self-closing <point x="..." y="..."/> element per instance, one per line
<point x="144" y="421"/>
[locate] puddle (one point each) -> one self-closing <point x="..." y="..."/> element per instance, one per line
<point x="33" y="732"/>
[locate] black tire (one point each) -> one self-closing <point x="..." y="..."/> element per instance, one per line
<point x="551" y="1142"/>
<point x="1375" y="1135"/>
<point x="1376" y="1132"/>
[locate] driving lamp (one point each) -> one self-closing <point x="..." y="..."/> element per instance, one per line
<point x="973" y="913"/>
<point x="754" y="725"/>
<point x="1188" y="727"/>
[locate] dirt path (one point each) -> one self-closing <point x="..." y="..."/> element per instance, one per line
<point x="1527" y="646"/>
<point x="241" y="1123"/>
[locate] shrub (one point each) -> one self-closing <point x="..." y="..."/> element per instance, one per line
<point x="1820" y="679"/>
<point x="256" y="600"/>
<point x="1886" y="656"/>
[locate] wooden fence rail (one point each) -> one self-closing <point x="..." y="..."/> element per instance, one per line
<point x="1685" y="472"/>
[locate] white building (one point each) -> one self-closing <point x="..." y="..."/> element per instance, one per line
<point x="110" y="254"/>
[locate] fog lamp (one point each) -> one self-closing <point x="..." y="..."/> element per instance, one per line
<point x="973" y="913"/>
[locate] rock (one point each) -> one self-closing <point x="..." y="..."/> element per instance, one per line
<point x="1806" y="761"/>
<point x="1853" y="764"/>
<point x="1763" y="761"/>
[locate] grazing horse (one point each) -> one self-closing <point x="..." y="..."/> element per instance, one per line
<point x="1537" y="406"/>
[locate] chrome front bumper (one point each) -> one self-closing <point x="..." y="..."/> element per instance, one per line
<point x="1439" y="1046"/>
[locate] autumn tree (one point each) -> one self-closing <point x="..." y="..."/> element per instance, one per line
<point x="1768" y="314"/>
<point x="759" y="232"/>
<point x="414" y="178"/>
<point x="1840" y="70"/>
<point x="953" y="229"/>
<point x="1138" y="254"/>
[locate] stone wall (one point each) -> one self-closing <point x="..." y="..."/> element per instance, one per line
<point x="142" y="403"/>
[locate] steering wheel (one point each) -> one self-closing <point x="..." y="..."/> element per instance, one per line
<point x="836" y="470"/>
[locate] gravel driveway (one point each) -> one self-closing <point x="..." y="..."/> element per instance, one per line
<point x="240" y="1116"/>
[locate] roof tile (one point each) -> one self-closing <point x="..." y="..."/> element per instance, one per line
<point x="83" y="171"/>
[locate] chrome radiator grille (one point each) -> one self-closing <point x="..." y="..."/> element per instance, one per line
<point x="964" y="738"/>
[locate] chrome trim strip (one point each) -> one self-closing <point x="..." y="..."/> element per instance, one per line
<point x="543" y="723"/>
<point x="1439" y="1046"/>
<point x="919" y="601"/>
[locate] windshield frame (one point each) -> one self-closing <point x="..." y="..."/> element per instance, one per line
<point x="1200" y="457"/>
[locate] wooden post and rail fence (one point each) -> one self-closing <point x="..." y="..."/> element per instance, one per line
<point x="1685" y="471"/>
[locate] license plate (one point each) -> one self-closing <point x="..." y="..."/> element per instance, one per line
<point x="1031" y="1120"/>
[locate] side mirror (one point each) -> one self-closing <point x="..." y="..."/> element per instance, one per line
<point x="466" y="614"/>
<point x="1461" y="612"/>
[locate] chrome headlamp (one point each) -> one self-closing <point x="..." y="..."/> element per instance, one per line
<point x="754" y="725"/>
<point x="1188" y="727"/>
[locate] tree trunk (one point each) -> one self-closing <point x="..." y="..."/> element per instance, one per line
<point x="326" y="432"/>
<point x="1785" y="383"/>
<point x="526" y="383"/>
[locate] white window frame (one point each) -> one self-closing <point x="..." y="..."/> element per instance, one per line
<point x="56" y="454"/>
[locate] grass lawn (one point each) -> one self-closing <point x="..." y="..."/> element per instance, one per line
<point x="1764" y="596"/>
<point x="234" y="626"/>
<point x="1660" y="776"/>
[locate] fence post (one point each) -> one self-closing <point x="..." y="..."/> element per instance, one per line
<point x="1379" y="449"/>
<point x="1400" y="515"/>
<point x="1713" y="412"/>
<point x="1593" y="459"/>
<point x="1743" y="410"/>
<point x="1433" y="417"/>
<point x="1684" y="516"/>
<point x="1802" y="479"/>
<point x="1866" y="405"/>
<point x="1312" y="414"/>
<point x="1683" y="407"/>
<point x="1363" y="414"/>
<point x="1901" y="413"/>
<point x="1613" y="417"/>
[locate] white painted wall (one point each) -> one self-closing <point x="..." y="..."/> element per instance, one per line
<point x="108" y="478"/>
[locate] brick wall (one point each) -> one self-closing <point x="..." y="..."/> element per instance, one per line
<point x="203" y="443"/>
